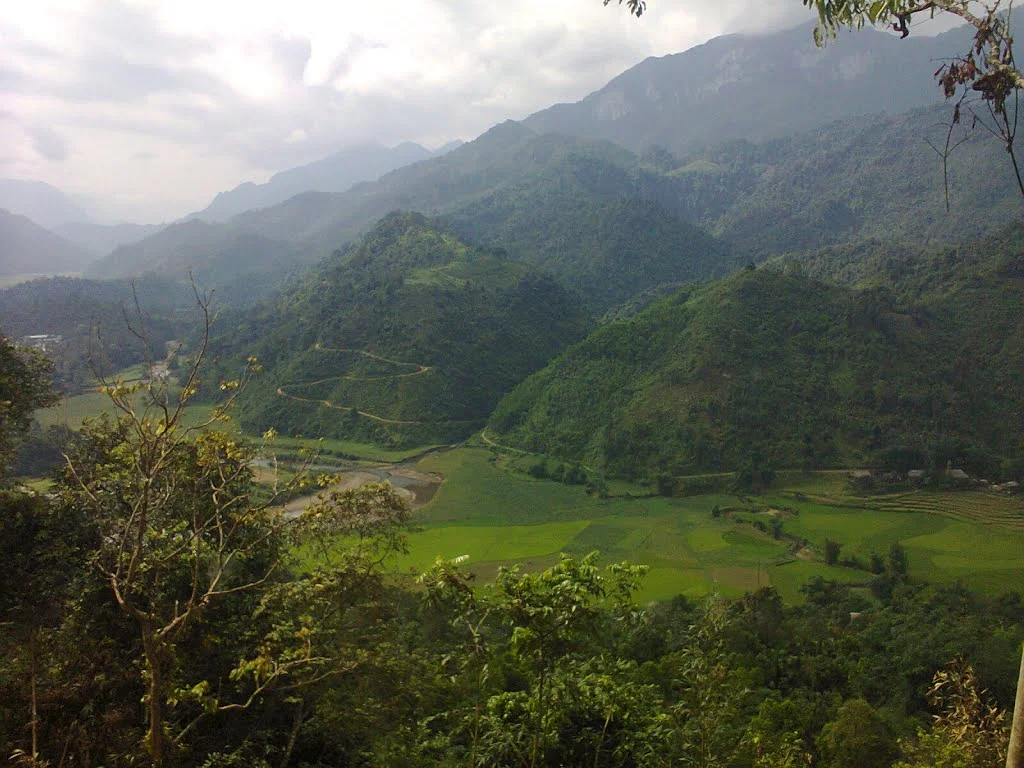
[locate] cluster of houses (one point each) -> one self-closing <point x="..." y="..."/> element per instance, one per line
<point x="959" y="478"/>
<point x="44" y="342"/>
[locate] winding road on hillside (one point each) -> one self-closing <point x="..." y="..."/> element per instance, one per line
<point x="486" y="439"/>
<point x="420" y="371"/>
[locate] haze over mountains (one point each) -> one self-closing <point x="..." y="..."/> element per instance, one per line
<point x="336" y="173"/>
<point x="744" y="87"/>
<point x="46" y="205"/>
<point x="756" y="87"/>
<point x="28" y="248"/>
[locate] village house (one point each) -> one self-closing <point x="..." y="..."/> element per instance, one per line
<point x="44" y="342"/>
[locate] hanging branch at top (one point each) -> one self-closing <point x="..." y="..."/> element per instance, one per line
<point x="988" y="67"/>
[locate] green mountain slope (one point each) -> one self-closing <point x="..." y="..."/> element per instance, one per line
<point x="413" y="335"/>
<point x="774" y="369"/>
<point x="90" y="316"/>
<point x="567" y="205"/>
<point x="213" y="254"/>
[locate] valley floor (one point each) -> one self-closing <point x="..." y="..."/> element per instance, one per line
<point x="495" y="515"/>
<point x="477" y="501"/>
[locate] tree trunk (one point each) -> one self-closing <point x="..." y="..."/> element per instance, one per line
<point x="33" y="650"/>
<point x="1015" y="753"/>
<point x="156" y="743"/>
<point x="296" y="725"/>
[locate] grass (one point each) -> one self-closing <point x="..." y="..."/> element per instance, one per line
<point x="330" y="448"/>
<point x="72" y="411"/>
<point x="500" y="517"/>
<point x="39" y="484"/>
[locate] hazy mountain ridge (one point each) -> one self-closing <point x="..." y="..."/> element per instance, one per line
<point x="44" y="204"/>
<point x="101" y="239"/>
<point x="213" y="253"/>
<point x="335" y="173"/>
<point x="545" y="199"/>
<point x="26" y="247"/>
<point x="756" y="88"/>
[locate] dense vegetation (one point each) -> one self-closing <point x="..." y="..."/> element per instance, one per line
<point x="92" y="317"/>
<point x="413" y="329"/>
<point x="771" y="369"/>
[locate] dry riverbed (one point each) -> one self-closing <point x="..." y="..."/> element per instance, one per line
<point x="414" y="486"/>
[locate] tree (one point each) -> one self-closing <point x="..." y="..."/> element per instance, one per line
<point x="899" y="564"/>
<point x="711" y="690"/>
<point x="24" y="386"/>
<point x="968" y="732"/>
<point x="858" y="736"/>
<point x="832" y="550"/>
<point x="181" y="535"/>
<point x="548" y="627"/>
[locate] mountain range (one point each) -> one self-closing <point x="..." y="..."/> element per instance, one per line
<point x="772" y="368"/>
<point x="335" y="173"/>
<point x="28" y="248"/>
<point x="676" y="116"/>
<point x="755" y="88"/>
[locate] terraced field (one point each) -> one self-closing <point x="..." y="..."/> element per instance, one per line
<point x="985" y="507"/>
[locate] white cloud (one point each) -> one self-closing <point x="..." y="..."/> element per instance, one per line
<point x="155" y="106"/>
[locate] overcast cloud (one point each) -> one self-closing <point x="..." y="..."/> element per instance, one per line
<point x="150" y="107"/>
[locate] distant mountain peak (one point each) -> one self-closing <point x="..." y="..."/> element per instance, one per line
<point x="338" y="172"/>
<point x="755" y="87"/>
<point x="44" y="204"/>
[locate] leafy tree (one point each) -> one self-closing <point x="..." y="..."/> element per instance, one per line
<point x="710" y="691"/>
<point x="24" y="386"/>
<point x="969" y="732"/>
<point x="573" y="700"/>
<point x="180" y="536"/>
<point x="832" y="549"/>
<point x="899" y="564"/>
<point x="858" y="736"/>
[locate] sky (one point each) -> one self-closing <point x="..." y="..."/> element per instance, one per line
<point x="145" y="109"/>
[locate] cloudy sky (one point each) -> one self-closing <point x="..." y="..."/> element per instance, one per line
<point x="147" y="108"/>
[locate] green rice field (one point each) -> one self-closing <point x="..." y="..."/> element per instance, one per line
<point x="498" y="517"/>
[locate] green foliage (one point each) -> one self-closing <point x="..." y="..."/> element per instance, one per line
<point x="25" y="385"/>
<point x="410" y="338"/>
<point x="858" y="736"/>
<point x="768" y="370"/>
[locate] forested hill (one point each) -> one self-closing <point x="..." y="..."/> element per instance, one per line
<point x="871" y="177"/>
<point x="90" y="316"/>
<point x="415" y="330"/>
<point x="773" y="369"/>
<point x="553" y="201"/>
